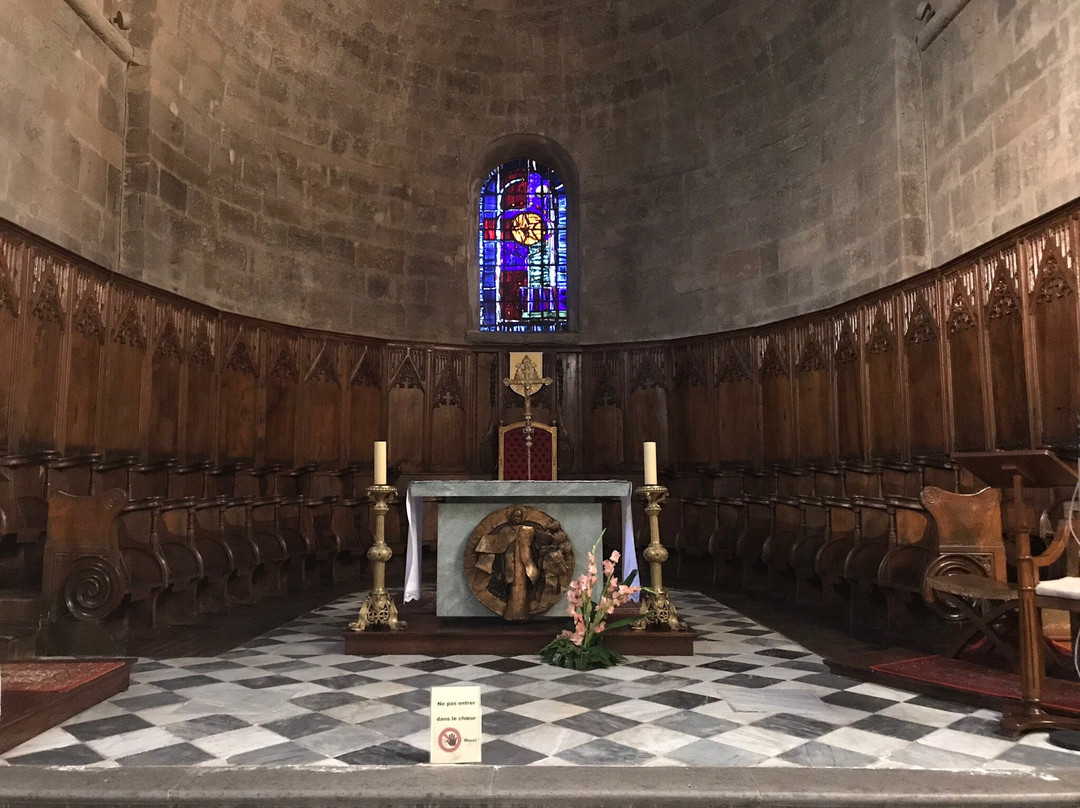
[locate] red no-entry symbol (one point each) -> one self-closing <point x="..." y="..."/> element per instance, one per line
<point x="449" y="739"/>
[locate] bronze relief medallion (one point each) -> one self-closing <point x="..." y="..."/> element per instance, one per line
<point x="518" y="562"/>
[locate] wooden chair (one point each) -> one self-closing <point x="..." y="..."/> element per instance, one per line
<point x="966" y="582"/>
<point x="518" y="460"/>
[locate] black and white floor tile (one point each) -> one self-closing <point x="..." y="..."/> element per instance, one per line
<point x="748" y="697"/>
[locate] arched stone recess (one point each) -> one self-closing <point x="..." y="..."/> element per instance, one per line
<point x="551" y="154"/>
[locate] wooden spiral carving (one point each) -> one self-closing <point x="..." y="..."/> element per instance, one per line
<point x="92" y="589"/>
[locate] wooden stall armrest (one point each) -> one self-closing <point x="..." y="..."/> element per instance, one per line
<point x="1057" y="546"/>
<point x="35" y="459"/>
<point x="75" y="461"/>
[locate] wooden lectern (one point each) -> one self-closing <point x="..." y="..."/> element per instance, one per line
<point x="1039" y="468"/>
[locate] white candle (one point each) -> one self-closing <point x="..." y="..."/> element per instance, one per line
<point x="380" y="462"/>
<point x="650" y="462"/>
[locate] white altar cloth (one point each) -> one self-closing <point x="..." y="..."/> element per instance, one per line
<point x="524" y="491"/>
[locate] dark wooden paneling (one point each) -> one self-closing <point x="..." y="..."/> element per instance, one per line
<point x="236" y="424"/>
<point x="126" y="353"/>
<point x="646" y="405"/>
<point x="365" y="404"/>
<point x="1005" y="347"/>
<point x="1055" y="326"/>
<point x="965" y="363"/>
<point x="85" y="364"/>
<point x="692" y="420"/>
<point x="166" y="369"/>
<point x="201" y="399"/>
<point x="884" y="396"/>
<point x="813" y="393"/>
<point x="448" y="414"/>
<point x="849" y="397"/>
<point x="486" y="422"/>
<point x="407" y="407"/>
<point x="776" y="406"/>
<point x="922" y="345"/>
<point x="40" y="368"/>
<point x="282" y="382"/>
<point x="981" y="353"/>
<point x="321" y="413"/>
<point x="738" y="430"/>
<point x="11" y="273"/>
<point x="604" y="445"/>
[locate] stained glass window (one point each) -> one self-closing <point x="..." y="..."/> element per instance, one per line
<point x="523" y="249"/>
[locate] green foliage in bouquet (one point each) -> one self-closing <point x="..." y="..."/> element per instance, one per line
<point x="583" y="647"/>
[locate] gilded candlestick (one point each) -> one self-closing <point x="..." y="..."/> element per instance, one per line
<point x="379" y="609"/>
<point x="656" y="609"/>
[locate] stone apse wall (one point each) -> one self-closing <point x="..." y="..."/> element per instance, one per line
<point x="1001" y="89"/>
<point x="311" y="165"/>
<point x="62" y="97"/>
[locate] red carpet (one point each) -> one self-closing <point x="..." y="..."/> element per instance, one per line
<point x="944" y="674"/>
<point x="40" y="693"/>
<point x="51" y="677"/>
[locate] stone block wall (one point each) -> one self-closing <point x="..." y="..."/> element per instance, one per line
<point x="310" y="162"/>
<point x="315" y="162"/>
<point x="739" y="167"/>
<point x="61" y="128"/>
<point x="1002" y="104"/>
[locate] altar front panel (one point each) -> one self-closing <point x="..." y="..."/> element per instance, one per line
<point x="463" y="504"/>
<point x="582" y="522"/>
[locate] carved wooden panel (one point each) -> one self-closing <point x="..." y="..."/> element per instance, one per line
<point x="777" y="413"/>
<point x="846" y="361"/>
<point x="47" y="305"/>
<point x="201" y="399"/>
<point x="365" y="402"/>
<point x="236" y="408"/>
<point x="1052" y="307"/>
<point x="126" y="354"/>
<point x="448" y="413"/>
<point x="282" y="383"/>
<point x="923" y="346"/>
<point x="1002" y="307"/>
<point x="569" y="391"/>
<point x="86" y="362"/>
<point x="406" y="406"/>
<point x="488" y="385"/>
<point x="166" y="370"/>
<point x="813" y="391"/>
<point x="885" y="394"/>
<point x="738" y="433"/>
<point x="692" y="417"/>
<point x="984" y="353"/>
<point x="604" y="411"/>
<point x="965" y="359"/>
<point x="321" y="413"/>
<point x="12" y="255"/>
<point x="646" y="405"/>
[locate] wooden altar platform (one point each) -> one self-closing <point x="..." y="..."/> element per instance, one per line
<point x="445" y="636"/>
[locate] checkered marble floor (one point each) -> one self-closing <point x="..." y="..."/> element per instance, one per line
<point x="748" y="697"/>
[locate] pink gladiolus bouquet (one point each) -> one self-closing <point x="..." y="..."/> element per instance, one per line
<point x="582" y="648"/>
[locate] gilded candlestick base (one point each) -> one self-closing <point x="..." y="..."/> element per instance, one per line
<point x="656" y="609"/>
<point x="379" y="609"/>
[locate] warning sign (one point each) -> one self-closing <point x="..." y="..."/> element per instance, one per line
<point x="455" y="724"/>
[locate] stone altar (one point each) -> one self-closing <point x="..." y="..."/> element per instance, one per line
<point x="465" y="503"/>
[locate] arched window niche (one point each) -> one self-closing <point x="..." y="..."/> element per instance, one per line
<point x="524" y="270"/>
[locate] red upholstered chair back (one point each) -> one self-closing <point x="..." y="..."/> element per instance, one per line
<point x="513" y="459"/>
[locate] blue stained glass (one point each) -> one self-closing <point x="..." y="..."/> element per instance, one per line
<point x="523" y="249"/>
